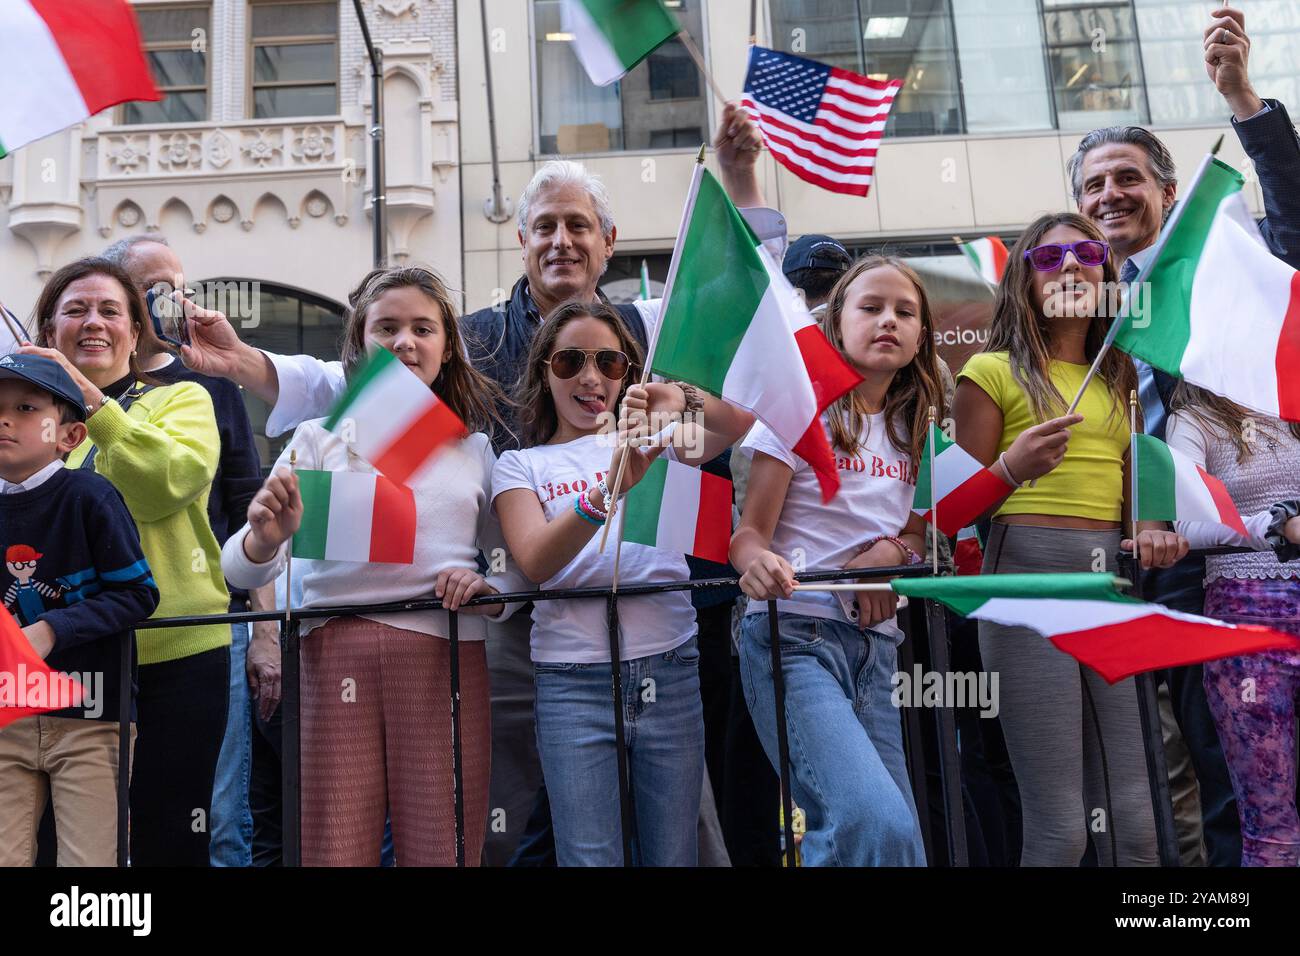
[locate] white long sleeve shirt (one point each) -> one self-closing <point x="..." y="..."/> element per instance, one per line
<point x="454" y="522"/>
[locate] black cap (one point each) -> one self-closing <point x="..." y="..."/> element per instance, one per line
<point x="45" y="374"/>
<point x="816" y="252"/>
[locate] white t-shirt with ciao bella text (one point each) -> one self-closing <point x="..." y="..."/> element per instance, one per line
<point x="577" y="631"/>
<point x="875" y="498"/>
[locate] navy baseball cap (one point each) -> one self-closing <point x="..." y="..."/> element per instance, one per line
<point x="45" y="374"/>
<point x="816" y="252"/>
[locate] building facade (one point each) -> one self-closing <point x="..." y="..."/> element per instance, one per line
<point x="256" y="165"/>
<point x="996" y="94"/>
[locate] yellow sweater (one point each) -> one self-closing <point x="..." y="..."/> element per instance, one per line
<point x="161" y="455"/>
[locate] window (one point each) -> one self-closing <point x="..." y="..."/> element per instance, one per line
<point x="1092" y="56"/>
<point x="289" y="322"/>
<point x="293" y="58"/>
<point x="1003" y="69"/>
<point x="175" y="43"/>
<point x="659" y="105"/>
<point x="1178" y="86"/>
<point x="908" y="40"/>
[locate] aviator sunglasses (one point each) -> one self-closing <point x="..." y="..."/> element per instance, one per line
<point x="1049" y="256"/>
<point x="611" y="363"/>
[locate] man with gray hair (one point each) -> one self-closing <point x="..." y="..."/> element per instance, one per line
<point x="1123" y="178"/>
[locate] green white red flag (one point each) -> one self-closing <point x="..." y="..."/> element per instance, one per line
<point x="988" y="256"/>
<point x="355" y="516"/>
<point x="62" y="62"/>
<point x="1221" y="311"/>
<point x="679" y="508"/>
<point x="1087" y="617"/>
<point x="1172" y="487"/>
<point x="963" y="489"/>
<point x="610" y="37"/>
<point x="732" y="324"/>
<point x="27" y="685"/>
<point x="392" y="419"/>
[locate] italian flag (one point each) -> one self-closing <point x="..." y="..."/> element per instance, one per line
<point x="27" y="685"/>
<point x="968" y="555"/>
<point x="962" y="488"/>
<point x="679" y="508"/>
<point x="352" y="516"/>
<point x="732" y="324"/>
<point x="645" y="281"/>
<point x="1172" y="487"/>
<point x="612" y="36"/>
<point x="988" y="256"/>
<point x="1087" y="617"/>
<point x="392" y="419"/>
<point x="1221" y="310"/>
<point x="64" y="61"/>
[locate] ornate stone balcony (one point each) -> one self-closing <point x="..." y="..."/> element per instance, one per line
<point x="137" y="152"/>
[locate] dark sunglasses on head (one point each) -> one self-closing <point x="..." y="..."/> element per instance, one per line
<point x="1050" y="256"/>
<point x="566" y="363"/>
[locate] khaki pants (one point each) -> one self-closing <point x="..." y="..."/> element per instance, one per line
<point x="74" y="762"/>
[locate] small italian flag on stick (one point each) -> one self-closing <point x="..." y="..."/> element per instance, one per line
<point x="64" y="62"/>
<point x="392" y="419"/>
<point x="963" y="489"/>
<point x="1220" y="310"/>
<point x="645" y="281"/>
<point x="988" y="256"/>
<point x="676" y="507"/>
<point x="610" y="37"/>
<point x="1172" y="487"/>
<point x="732" y="325"/>
<point x="1087" y="617"/>
<point x="353" y="516"/>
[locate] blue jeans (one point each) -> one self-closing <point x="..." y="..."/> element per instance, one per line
<point x="846" y="738"/>
<point x="664" y="730"/>
<point x="232" y="821"/>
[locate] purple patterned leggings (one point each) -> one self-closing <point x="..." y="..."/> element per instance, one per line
<point x="1253" y="700"/>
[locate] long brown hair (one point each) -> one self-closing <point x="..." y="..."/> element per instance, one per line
<point x="475" y="398"/>
<point x="1021" y="330"/>
<point x="48" y="303"/>
<point x="1224" y="419"/>
<point x="916" y="386"/>
<point x="538" y="416"/>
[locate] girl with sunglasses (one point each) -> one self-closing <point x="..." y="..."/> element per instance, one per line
<point x="553" y="497"/>
<point x="846" y="739"/>
<point x="1075" y="742"/>
<point x="376" y="729"/>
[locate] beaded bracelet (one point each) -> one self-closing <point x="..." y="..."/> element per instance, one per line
<point x="588" y="511"/>
<point x="582" y="513"/>
<point x="911" y="556"/>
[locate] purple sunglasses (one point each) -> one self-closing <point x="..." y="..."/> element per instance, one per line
<point x="1050" y="256"/>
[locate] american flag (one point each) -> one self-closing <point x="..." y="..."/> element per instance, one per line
<point x="822" y="123"/>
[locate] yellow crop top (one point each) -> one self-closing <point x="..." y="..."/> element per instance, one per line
<point x="1089" y="483"/>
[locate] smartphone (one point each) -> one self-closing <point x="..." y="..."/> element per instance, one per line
<point x="167" y="316"/>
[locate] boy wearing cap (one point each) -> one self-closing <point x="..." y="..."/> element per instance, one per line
<point x="77" y="583"/>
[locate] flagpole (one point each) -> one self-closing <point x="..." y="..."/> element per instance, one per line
<point x="934" y="501"/>
<point x="694" y="51"/>
<point x="14" y="326"/>
<point x="1144" y="273"/>
<point x="753" y="22"/>
<point x="611" y="506"/>
<point x="288" y="566"/>
<point x="291" y="720"/>
<point x="1133" y="469"/>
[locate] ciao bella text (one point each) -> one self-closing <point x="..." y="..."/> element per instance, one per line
<point x="563" y="489"/>
<point x="899" y="469"/>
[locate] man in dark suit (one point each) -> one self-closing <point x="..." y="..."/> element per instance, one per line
<point x="1123" y="179"/>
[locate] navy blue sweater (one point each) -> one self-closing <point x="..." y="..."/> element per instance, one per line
<point x="239" y="470"/>
<point x="91" y="582"/>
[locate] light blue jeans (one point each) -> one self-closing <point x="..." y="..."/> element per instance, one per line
<point x="232" y="821"/>
<point x="664" y="730"/>
<point x="846" y="738"/>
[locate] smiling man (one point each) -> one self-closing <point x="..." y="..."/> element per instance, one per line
<point x="1123" y="178"/>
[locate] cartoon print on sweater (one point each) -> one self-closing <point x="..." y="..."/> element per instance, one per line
<point x="25" y="596"/>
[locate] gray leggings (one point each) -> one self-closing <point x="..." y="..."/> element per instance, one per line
<point x="1051" y="725"/>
